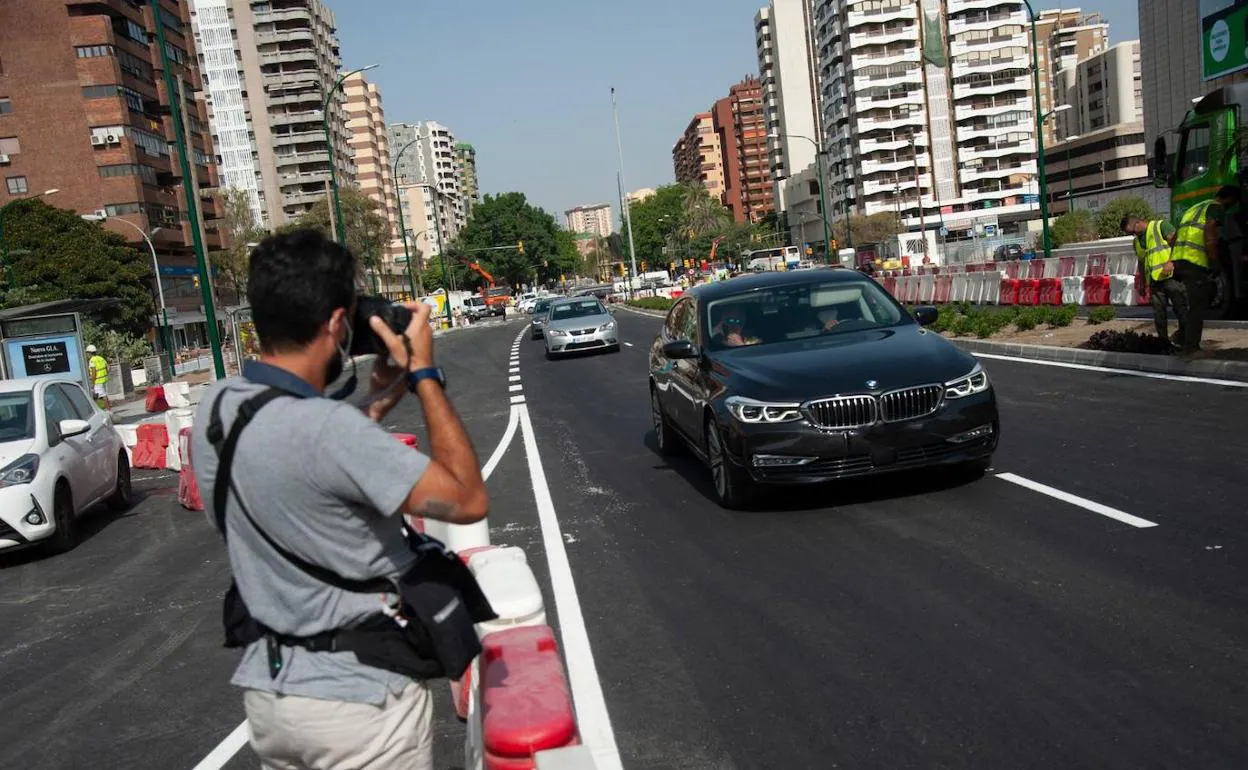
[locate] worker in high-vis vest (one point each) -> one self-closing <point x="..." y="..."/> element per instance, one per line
<point x="1152" y="246"/>
<point x="1196" y="260"/>
<point x="97" y="372"/>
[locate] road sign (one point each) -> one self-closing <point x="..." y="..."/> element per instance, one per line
<point x="1223" y="37"/>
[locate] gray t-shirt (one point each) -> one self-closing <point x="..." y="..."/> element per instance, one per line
<point x="325" y="482"/>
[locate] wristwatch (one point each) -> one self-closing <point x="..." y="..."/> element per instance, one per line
<point x="434" y="373"/>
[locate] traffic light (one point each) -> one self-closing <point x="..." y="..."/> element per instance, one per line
<point x="196" y="280"/>
<point x="835" y="246"/>
<point x="643" y="266"/>
<point x="671" y="266"/>
<point x="520" y="247"/>
<point x="621" y="266"/>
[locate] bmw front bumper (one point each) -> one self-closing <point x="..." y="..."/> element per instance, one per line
<point x="599" y="338"/>
<point x="959" y="431"/>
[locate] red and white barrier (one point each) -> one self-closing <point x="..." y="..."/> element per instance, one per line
<point x="175" y="421"/>
<point x="188" y="487"/>
<point x="151" y="447"/>
<point x="155" y="401"/>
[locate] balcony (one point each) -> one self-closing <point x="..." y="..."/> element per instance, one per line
<point x="973" y="22"/>
<point x="872" y="187"/>
<point x="968" y="133"/>
<point x="301" y="137"/>
<point x="913" y="76"/>
<point x="868" y="145"/>
<point x="907" y="34"/>
<point x="992" y="85"/>
<point x="288" y="56"/>
<point x="971" y="173"/>
<point x="286" y="36"/>
<point x="1017" y="59"/>
<point x="967" y="110"/>
<point x="955" y="6"/>
<point x="989" y="44"/>
<point x="915" y="118"/>
<point x="300" y="158"/>
<point x="869" y="167"/>
<point x="302" y="197"/>
<point x="290" y="118"/>
<point x="888" y="13"/>
<point x="970" y="152"/>
<point x="285" y="14"/>
<point x="884" y="59"/>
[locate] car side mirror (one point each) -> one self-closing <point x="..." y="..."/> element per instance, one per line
<point x="71" y="428"/>
<point x="678" y="349"/>
<point x="926" y="315"/>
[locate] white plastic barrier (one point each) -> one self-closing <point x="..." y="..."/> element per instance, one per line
<point x="175" y="421"/>
<point x="567" y="758"/>
<point x="1072" y="290"/>
<point x="129" y="437"/>
<point x="176" y="395"/>
<point x="508" y="582"/>
<point x="1122" y="290"/>
<point x="960" y="287"/>
<point x="991" y="294"/>
<point x="927" y="288"/>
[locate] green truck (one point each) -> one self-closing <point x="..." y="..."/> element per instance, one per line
<point x="1212" y="151"/>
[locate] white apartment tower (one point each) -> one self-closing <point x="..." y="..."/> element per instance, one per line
<point x="265" y="107"/>
<point x="593" y="220"/>
<point x="786" y="66"/>
<point x="429" y="162"/>
<point x="928" y="109"/>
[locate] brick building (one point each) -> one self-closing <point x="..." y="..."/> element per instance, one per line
<point x="86" y="113"/>
<point x="696" y="156"/>
<point x="741" y="126"/>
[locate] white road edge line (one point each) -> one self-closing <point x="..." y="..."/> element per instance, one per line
<point x="1109" y="370"/>
<point x="236" y="740"/>
<point x="591" y="706"/>
<point x="1082" y="502"/>
<point x="629" y="344"/>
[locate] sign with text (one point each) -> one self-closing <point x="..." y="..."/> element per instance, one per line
<point x="1223" y="37"/>
<point x="46" y="358"/>
<point x="49" y="356"/>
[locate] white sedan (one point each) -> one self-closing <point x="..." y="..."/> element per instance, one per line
<point x="59" y="456"/>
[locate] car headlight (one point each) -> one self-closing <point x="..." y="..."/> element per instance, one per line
<point x="607" y="327"/>
<point x="556" y="332"/>
<point x="20" y="471"/>
<point x="975" y="382"/>
<point x="755" y="412"/>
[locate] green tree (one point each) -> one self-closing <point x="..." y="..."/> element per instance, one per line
<point x="241" y="227"/>
<point x="1109" y="219"/>
<point x="506" y="220"/>
<point x="1072" y="227"/>
<point x="56" y="255"/>
<point x="368" y="230"/>
<point x="703" y="214"/>
<point x="877" y="228"/>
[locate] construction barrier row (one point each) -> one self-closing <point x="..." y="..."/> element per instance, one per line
<point x="1093" y="279"/>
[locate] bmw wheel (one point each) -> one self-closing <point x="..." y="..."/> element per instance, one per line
<point x="667" y="442"/>
<point x="733" y="488"/>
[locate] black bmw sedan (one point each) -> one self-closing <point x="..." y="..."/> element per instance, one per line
<point x="813" y="375"/>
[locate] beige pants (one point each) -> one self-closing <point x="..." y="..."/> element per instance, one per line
<point x="290" y="732"/>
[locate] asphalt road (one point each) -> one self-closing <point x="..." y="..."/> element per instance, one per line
<point x="909" y="622"/>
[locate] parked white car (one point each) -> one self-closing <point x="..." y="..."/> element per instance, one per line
<point x="525" y="302"/>
<point x="59" y="456"/>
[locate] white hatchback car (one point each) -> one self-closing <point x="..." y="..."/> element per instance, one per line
<point x="59" y="456"/>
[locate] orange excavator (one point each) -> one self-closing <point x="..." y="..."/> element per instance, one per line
<point x="493" y="298"/>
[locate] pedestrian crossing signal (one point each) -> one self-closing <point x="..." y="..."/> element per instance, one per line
<point x="520" y="247"/>
<point x="643" y="266"/>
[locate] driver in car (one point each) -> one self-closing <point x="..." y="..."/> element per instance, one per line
<point x="730" y="330"/>
<point x="828" y="318"/>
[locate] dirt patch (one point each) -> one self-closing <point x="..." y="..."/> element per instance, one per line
<point x="1220" y="344"/>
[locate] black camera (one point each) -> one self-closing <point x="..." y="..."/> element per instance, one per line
<point x="365" y="341"/>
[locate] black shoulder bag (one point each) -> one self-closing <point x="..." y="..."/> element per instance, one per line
<point x="433" y="634"/>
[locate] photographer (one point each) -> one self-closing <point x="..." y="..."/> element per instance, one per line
<point x="315" y="490"/>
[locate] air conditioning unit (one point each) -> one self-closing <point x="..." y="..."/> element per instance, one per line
<point x="4" y="160"/>
<point x="112" y="139"/>
<point x="101" y="213"/>
<point x="97" y="140"/>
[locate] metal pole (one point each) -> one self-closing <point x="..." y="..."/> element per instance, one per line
<point x="823" y="204"/>
<point x="411" y="281"/>
<point x="1070" y="182"/>
<point x="189" y="191"/>
<point x="437" y="226"/>
<point x="329" y="144"/>
<point x="1044" y="183"/>
<point x="628" y="219"/>
<point x="166" y="333"/>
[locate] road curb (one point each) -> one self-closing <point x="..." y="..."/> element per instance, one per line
<point x="639" y="311"/>
<point x="1138" y="362"/>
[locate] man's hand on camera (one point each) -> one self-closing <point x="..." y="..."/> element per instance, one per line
<point x="406" y="352"/>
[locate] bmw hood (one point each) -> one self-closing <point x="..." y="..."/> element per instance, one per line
<point x="850" y="362"/>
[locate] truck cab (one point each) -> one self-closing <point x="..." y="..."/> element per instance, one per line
<point x="1212" y="151"/>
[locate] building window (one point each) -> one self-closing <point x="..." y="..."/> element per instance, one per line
<point x="131" y="30"/>
<point x="9" y="145"/>
<point x="99" y="92"/>
<point x="134" y="99"/>
<point x="17" y="185"/>
<point x="6" y="106"/>
<point x="93" y="51"/>
<point x="121" y="209"/>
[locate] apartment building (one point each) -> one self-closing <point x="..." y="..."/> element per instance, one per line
<point x="788" y="72"/>
<point x="1102" y="90"/>
<point x="741" y="125"/>
<point x="928" y="111"/>
<point x="427" y="162"/>
<point x="466" y="169"/>
<point x="84" y="111"/>
<point x="1064" y="37"/>
<point x="642" y="194"/>
<point x="594" y="220"/>
<point x="370" y="147"/>
<point x="286" y="58"/>
<point x="697" y="158"/>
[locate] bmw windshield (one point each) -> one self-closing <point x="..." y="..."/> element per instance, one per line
<point x="800" y="311"/>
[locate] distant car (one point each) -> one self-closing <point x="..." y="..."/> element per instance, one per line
<point x="525" y="302"/>
<point x="538" y="321"/>
<point x="579" y="323"/>
<point x="1009" y="252"/>
<point x="813" y="375"/>
<point x="59" y="456"/>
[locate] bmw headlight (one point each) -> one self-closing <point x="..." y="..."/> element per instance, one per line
<point x="748" y="410"/>
<point x="975" y="382"/>
<point x="20" y="471"/>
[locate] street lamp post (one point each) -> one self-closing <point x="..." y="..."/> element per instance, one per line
<point x="329" y="145"/>
<point x="190" y="193"/>
<point x="398" y="194"/>
<point x="1035" y="86"/>
<point x="1070" y="176"/>
<point x="4" y="246"/>
<point x="624" y="207"/>
<point x="437" y="228"/>
<point x="823" y="194"/>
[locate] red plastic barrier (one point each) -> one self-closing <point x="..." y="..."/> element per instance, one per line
<point x="156" y="399"/>
<point x="1096" y="290"/>
<point x="525" y="703"/>
<point x="1143" y="292"/>
<point x="1010" y="285"/>
<point x="890" y="285"/>
<point x="188" y="487"/>
<point x="1029" y="287"/>
<point x="149" y="450"/>
<point x="944" y="286"/>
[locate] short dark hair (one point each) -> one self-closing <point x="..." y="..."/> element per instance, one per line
<point x="1127" y="220"/>
<point x="295" y="282"/>
<point x="1228" y="192"/>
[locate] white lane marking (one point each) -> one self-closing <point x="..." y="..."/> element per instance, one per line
<point x="1108" y="370"/>
<point x="629" y="344"/>
<point x="226" y="749"/>
<point x="1082" y="502"/>
<point x="591" y="706"/>
<point x="513" y="378"/>
<point x="514" y="388"/>
<point x="514" y="370"/>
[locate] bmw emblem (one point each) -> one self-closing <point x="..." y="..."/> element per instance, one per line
<point x="871" y="384"/>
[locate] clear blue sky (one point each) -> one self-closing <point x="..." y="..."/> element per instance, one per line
<point x="529" y="83"/>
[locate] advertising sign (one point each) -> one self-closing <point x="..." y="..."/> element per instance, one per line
<point x="51" y="355"/>
<point x="1223" y="37"/>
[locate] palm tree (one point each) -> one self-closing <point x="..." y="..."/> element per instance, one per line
<point x="702" y="214"/>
